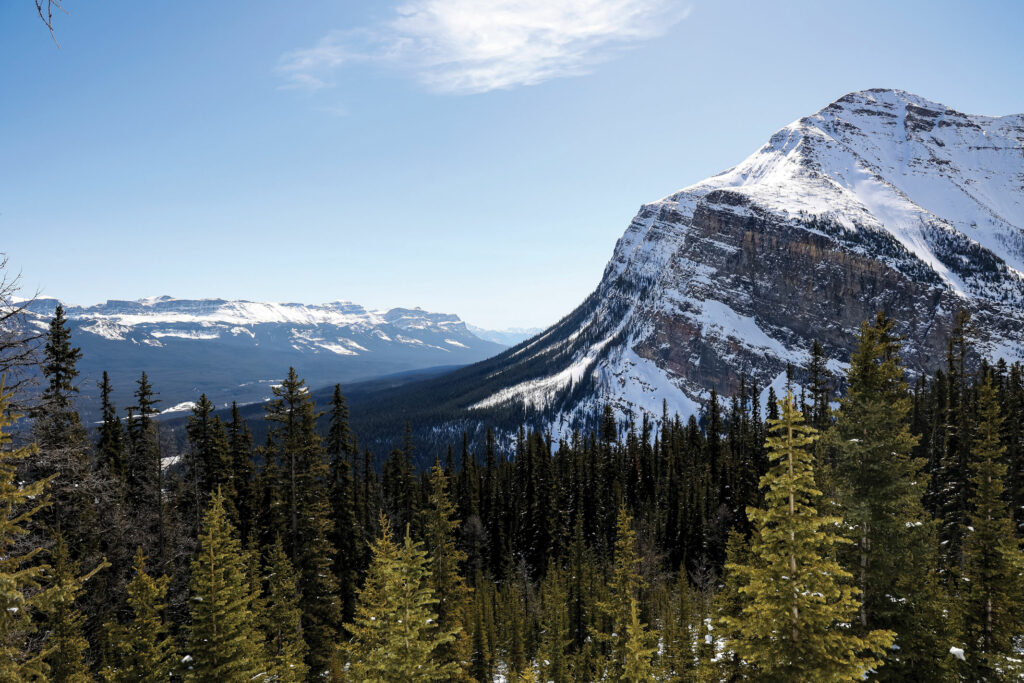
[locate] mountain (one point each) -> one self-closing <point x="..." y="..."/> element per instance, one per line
<point x="507" y="337"/>
<point x="236" y="350"/>
<point x="881" y="201"/>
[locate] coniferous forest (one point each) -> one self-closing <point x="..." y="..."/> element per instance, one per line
<point x="857" y="527"/>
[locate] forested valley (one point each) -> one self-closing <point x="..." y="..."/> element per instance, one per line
<point x="858" y="527"/>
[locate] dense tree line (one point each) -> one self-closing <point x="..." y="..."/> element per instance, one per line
<point x="812" y="536"/>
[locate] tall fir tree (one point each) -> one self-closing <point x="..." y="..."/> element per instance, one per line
<point x="395" y="637"/>
<point x="994" y="565"/>
<point x="144" y="474"/>
<point x="445" y="558"/>
<point x="63" y="444"/>
<point x="142" y="649"/>
<point x="347" y="535"/>
<point x="22" y="577"/>
<point x="65" y="622"/>
<point x="880" y="487"/>
<point x="797" y="601"/>
<point x="110" y="445"/>
<point x="282" y="619"/>
<point x="224" y="639"/>
<point x="307" y="490"/>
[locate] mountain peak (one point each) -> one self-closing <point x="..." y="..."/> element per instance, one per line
<point x="882" y="200"/>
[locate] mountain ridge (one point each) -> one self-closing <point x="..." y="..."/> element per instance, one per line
<point x="880" y="201"/>
<point x="235" y="350"/>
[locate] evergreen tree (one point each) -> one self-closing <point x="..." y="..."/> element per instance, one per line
<point x="554" y="624"/>
<point x="880" y="488"/>
<point x="224" y="640"/>
<point x="637" y="650"/>
<point x="142" y="649"/>
<point x="144" y="481"/>
<point x="240" y="455"/>
<point x="21" y="577"/>
<point x="282" y="619"/>
<point x="310" y="514"/>
<point x="449" y="588"/>
<point x="994" y="567"/>
<point x="347" y="534"/>
<point x="395" y="637"/>
<point x="798" y="604"/>
<point x="110" y="446"/>
<point x="63" y="443"/>
<point x="624" y="586"/>
<point x="209" y="462"/>
<point x="66" y="642"/>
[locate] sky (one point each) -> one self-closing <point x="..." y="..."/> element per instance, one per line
<point x="478" y="158"/>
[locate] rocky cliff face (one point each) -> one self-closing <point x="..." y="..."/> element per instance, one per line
<point x="880" y="201"/>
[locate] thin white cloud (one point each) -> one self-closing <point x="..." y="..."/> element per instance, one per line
<point x="469" y="46"/>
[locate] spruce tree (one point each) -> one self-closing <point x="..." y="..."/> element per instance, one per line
<point x="637" y="650"/>
<point x="994" y="565"/>
<point x="395" y="637"/>
<point x="450" y="590"/>
<point x="798" y="602"/>
<point x="624" y="586"/>
<point x="282" y="619"/>
<point x="307" y="489"/>
<point x="63" y="444"/>
<point x="880" y="487"/>
<point x="110" y="446"/>
<point x="66" y="641"/>
<point x="224" y="640"/>
<point x="142" y="650"/>
<point x="21" y="576"/>
<point x="347" y="535"/>
<point x="209" y="462"/>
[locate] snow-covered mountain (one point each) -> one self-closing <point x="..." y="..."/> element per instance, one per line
<point x="235" y="350"/>
<point x="509" y="336"/>
<point x="882" y="200"/>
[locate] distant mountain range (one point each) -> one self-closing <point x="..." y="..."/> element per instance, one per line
<point x="236" y="350"/>
<point x="881" y="201"/>
<point x="507" y="337"/>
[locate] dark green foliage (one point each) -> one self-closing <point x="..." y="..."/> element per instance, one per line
<point x="142" y="650"/>
<point x="224" y="639"/>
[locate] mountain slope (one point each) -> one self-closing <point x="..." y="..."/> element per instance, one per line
<point x="235" y="350"/>
<point x="880" y="201"/>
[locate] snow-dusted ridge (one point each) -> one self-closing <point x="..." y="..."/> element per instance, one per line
<point x="882" y="200"/>
<point x="224" y="347"/>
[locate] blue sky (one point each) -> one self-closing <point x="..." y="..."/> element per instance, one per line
<point x="471" y="157"/>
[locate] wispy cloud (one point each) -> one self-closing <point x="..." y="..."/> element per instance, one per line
<point x="468" y="46"/>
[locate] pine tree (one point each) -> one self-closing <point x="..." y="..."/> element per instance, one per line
<point x="66" y="642"/>
<point x="624" y="586"/>
<point x="209" y="462"/>
<point x="224" y="640"/>
<point x="880" y="488"/>
<point x="307" y="491"/>
<point x="347" y="535"/>
<point x="240" y="455"/>
<point x="63" y="443"/>
<point x="554" y="624"/>
<point x="638" y="650"/>
<point x="21" y="576"/>
<point x="994" y="566"/>
<point x="794" y="625"/>
<point x="144" y="471"/>
<point x="450" y="590"/>
<point x="110" y="446"/>
<point x="142" y="649"/>
<point x="395" y="637"/>
<point x="282" y="619"/>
